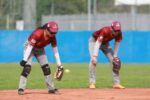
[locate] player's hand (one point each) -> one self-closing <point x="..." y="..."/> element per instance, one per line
<point x="94" y="60"/>
<point x="22" y="63"/>
<point x="59" y="73"/>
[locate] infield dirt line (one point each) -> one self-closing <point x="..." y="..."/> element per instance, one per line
<point x="79" y="94"/>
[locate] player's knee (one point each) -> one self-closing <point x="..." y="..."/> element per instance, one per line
<point x="116" y="66"/>
<point x="26" y="70"/>
<point x="46" y="69"/>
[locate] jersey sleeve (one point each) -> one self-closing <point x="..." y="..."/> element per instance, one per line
<point x="34" y="37"/>
<point x="100" y="38"/>
<point x="101" y="35"/>
<point x="54" y="42"/>
<point x="119" y="37"/>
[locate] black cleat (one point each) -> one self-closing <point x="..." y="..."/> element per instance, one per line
<point x="21" y="91"/>
<point x="54" y="91"/>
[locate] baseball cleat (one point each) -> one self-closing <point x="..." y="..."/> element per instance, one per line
<point x="92" y="86"/>
<point x="54" y="91"/>
<point x="20" y="91"/>
<point x="118" y="86"/>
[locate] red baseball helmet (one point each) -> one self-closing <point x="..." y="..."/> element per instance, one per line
<point x="52" y="27"/>
<point x="116" y="25"/>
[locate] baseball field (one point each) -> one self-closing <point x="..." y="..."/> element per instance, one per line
<point x="74" y="85"/>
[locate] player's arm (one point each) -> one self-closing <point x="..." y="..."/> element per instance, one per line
<point x="28" y="48"/>
<point x="116" y="61"/>
<point x="55" y="51"/>
<point x="96" y="49"/>
<point x="56" y="55"/>
<point x="59" y="71"/>
<point x="27" y="53"/>
<point x="117" y="44"/>
<point x="116" y="48"/>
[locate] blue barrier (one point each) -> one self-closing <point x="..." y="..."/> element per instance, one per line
<point x="73" y="46"/>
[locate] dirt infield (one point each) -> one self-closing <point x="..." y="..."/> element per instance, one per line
<point x="79" y="94"/>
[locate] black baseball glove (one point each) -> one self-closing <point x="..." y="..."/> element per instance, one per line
<point x="22" y="63"/>
<point x="59" y="73"/>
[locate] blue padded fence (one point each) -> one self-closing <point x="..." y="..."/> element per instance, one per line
<point x="73" y="46"/>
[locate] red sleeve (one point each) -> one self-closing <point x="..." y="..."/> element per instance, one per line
<point x="98" y="35"/>
<point x="100" y="38"/>
<point x="101" y="34"/>
<point x="119" y="37"/>
<point x="54" y="42"/>
<point x="34" y="37"/>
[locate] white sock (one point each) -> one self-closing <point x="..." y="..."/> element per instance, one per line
<point x="49" y="82"/>
<point x="115" y="78"/>
<point x="22" y="82"/>
<point x="92" y="73"/>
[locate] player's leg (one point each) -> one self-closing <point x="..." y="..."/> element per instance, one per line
<point x="24" y="74"/>
<point x="92" y="67"/>
<point x="107" y="50"/>
<point x="42" y="59"/>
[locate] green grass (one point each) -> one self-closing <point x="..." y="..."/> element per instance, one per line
<point x="131" y="75"/>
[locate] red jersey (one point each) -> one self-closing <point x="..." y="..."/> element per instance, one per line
<point x="106" y="34"/>
<point x="37" y="39"/>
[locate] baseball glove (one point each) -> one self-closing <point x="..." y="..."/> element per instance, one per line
<point x="116" y="61"/>
<point x="59" y="73"/>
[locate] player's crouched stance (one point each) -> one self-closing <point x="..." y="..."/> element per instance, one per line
<point x="34" y="46"/>
<point x="100" y="40"/>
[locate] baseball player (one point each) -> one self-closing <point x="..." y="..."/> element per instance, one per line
<point x="34" y="46"/>
<point x="100" y="40"/>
